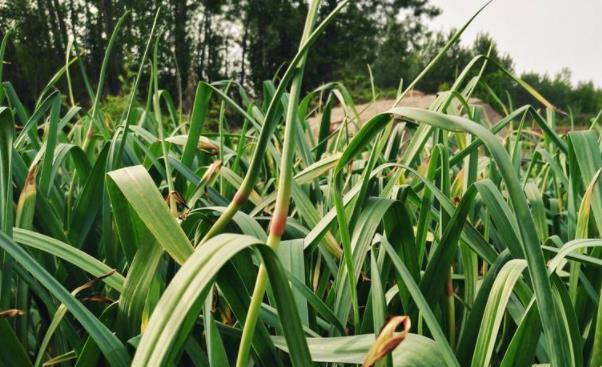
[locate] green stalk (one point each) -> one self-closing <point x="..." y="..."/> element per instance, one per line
<point x="7" y="132"/>
<point x="164" y="148"/>
<point x="451" y="310"/>
<point x="2" y="51"/>
<point x="597" y="349"/>
<point x="346" y="243"/>
<point x="439" y="56"/>
<point x="222" y="117"/>
<point x="278" y="222"/>
<point x="268" y="128"/>
<point x="82" y="71"/>
<point x="101" y="81"/>
<point x="132" y="97"/>
<point x="100" y="87"/>
<point x="69" y="87"/>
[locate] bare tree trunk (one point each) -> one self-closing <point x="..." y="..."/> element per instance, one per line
<point x="204" y="41"/>
<point x="61" y="16"/>
<point x="181" y="41"/>
<point x="46" y="11"/>
<point x="114" y="60"/>
<point x="244" y="46"/>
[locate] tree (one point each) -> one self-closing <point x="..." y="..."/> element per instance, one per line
<point x="252" y="41"/>
<point x="364" y="33"/>
<point x="446" y="72"/>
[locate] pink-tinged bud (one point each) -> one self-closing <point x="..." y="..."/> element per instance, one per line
<point x="90" y="134"/>
<point x="240" y="198"/>
<point x="278" y="223"/>
<point x="449" y="289"/>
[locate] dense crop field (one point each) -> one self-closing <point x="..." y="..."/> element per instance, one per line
<point x="422" y="237"/>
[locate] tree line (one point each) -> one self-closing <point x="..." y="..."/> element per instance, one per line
<point x="581" y="100"/>
<point x="250" y="41"/>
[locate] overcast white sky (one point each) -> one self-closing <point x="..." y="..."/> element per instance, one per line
<point x="540" y="35"/>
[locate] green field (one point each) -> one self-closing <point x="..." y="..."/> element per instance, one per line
<point x="240" y="235"/>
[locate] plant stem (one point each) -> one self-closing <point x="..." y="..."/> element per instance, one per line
<point x="451" y="310"/>
<point x="346" y="243"/>
<point x="164" y="148"/>
<point x="278" y="222"/>
<point x="101" y="82"/>
<point x="269" y="125"/>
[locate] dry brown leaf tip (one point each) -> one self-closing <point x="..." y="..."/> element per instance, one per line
<point x="10" y="313"/>
<point x="388" y="339"/>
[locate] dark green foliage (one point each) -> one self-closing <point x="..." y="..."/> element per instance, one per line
<point x="135" y="235"/>
<point x="244" y="39"/>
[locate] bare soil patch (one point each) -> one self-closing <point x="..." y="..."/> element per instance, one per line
<point x="413" y="99"/>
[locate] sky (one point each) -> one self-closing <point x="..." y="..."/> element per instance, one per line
<point x="540" y="35"/>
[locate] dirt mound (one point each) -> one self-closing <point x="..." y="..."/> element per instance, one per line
<point x="413" y="99"/>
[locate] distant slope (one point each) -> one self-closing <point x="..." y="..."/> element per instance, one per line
<point x="414" y="99"/>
